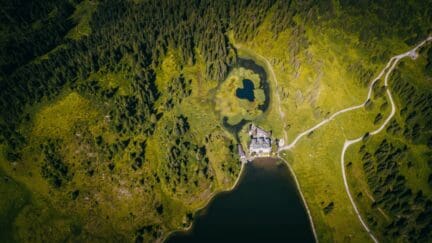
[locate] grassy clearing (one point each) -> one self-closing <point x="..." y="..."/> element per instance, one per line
<point x="81" y="17"/>
<point x="317" y="166"/>
<point x="314" y="78"/>
<point x="71" y="119"/>
<point x="58" y="119"/>
<point x="10" y="206"/>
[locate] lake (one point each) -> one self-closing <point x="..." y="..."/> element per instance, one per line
<point x="264" y="207"/>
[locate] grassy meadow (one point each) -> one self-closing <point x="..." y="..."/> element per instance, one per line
<point x="316" y="80"/>
<point x="112" y="113"/>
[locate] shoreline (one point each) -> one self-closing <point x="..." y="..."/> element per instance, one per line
<point x="270" y="68"/>
<point x="386" y="71"/>
<point x="267" y="67"/>
<point x="206" y="203"/>
<point x="311" y="222"/>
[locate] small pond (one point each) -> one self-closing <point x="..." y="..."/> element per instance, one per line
<point x="248" y="87"/>
<point x="247" y="92"/>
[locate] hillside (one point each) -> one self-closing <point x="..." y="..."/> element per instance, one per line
<point x="114" y="114"/>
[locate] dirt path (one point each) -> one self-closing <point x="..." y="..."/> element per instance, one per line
<point x="276" y="88"/>
<point x="386" y="71"/>
<point x="393" y="61"/>
<point x="332" y="117"/>
<point x="411" y="53"/>
<point x="281" y="113"/>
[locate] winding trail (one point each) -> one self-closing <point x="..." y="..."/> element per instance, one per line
<point x="270" y="68"/>
<point x="281" y="113"/>
<point x="413" y="54"/>
<point x="332" y="117"/>
<point x="386" y="71"/>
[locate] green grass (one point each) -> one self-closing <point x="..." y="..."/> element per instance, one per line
<point x="59" y="119"/>
<point x="315" y="82"/>
<point x="10" y="206"/>
<point x="234" y="108"/>
<point x="320" y="69"/>
<point x="81" y="17"/>
<point x="416" y="175"/>
<point x="270" y="119"/>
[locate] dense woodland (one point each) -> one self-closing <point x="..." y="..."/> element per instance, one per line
<point x="410" y="210"/>
<point x="142" y="32"/>
<point x="132" y="37"/>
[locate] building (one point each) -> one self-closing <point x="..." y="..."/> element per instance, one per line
<point x="242" y="154"/>
<point x="257" y="132"/>
<point x="260" y="144"/>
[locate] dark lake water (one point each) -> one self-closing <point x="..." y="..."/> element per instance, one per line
<point x="247" y="91"/>
<point x="264" y="207"/>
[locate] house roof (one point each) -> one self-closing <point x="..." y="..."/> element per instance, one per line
<point x="260" y="143"/>
<point x="258" y="132"/>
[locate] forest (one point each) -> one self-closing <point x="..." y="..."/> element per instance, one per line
<point x="121" y="118"/>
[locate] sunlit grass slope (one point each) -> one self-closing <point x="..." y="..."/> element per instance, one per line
<point x="137" y="179"/>
<point x="320" y="70"/>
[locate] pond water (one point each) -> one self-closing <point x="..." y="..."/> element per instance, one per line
<point x="247" y="92"/>
<point x="264" y="207"/>
<point x="264" y="84"/>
